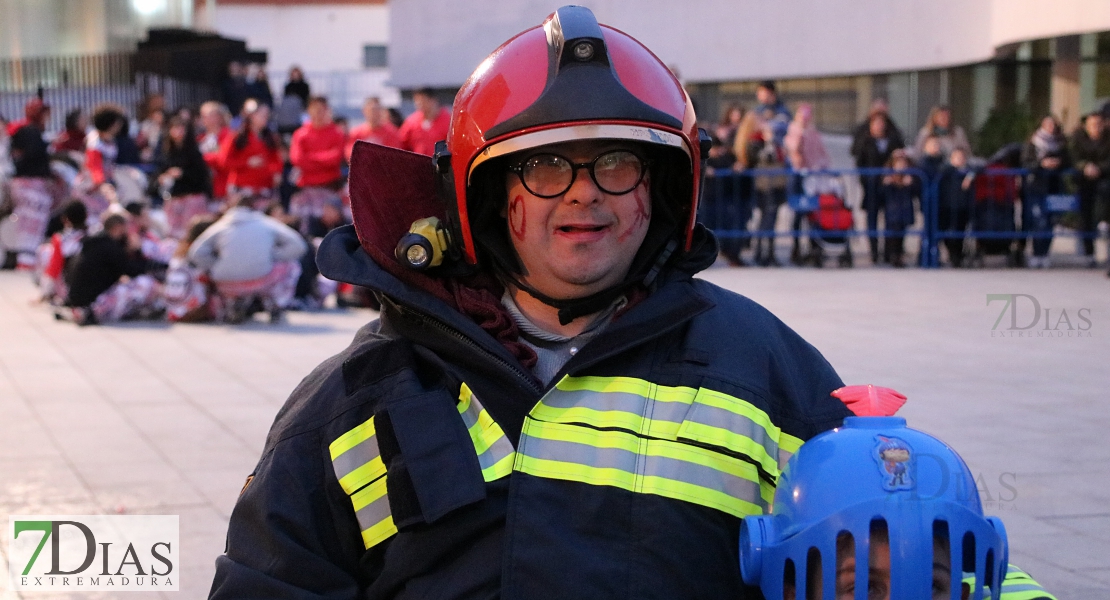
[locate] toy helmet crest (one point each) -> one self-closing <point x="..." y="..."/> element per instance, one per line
<point x="873" y="473"/>
<point x="568" y="79"/>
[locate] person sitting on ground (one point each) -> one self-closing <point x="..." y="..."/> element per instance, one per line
<point x="155" y="246"/>
<point x="215" y="120"/>
<point x="72" y="139"/>
<point x="250" y="257"/>
<point x="183" y="179"/>
<point x="101" y="152"/>
<point x="107" y="279"/>
<point x="252" y="157"/>
<point x="55" y="255"/>
<point x="30" y="192"/>
<point x="883" y="527"/>
<point x="425" y="126"/>
<point x="317" y="153"/>
<point x="377" y="129"/>
<point x="185" y="292"/>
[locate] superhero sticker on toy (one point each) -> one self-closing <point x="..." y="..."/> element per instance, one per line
<point x="894" y="456"/>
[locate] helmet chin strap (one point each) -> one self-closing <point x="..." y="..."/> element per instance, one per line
<point x="573" y="308"/>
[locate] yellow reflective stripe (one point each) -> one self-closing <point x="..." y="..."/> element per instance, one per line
<point x="651" y="466"/>
<point x="495" y="452"/>
<point x="724" y="438"/>
<point x="788" y="445"/>
<point x="499" y="469"/>
<point x="362" y="475"/>
<point x="358" y="466"/>
<point x="1018" y="585"/>
<point x="703" y="415"/>
<point x="362" y="498"/>
<point x="352" y="438"/>
<point x="378" y="533"/>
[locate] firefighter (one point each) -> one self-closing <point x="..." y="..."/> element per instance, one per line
<point x="550" y="405"/>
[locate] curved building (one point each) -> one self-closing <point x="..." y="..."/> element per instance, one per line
<point x="975" y="55"/>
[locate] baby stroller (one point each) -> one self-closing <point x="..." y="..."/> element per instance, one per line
<point x="830" y="220"/>
<point x="995" y="195"/>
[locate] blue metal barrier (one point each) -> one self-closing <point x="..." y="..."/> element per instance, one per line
<point x="981" y="205"/>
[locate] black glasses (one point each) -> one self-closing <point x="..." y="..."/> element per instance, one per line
<point x="549" y="175"/>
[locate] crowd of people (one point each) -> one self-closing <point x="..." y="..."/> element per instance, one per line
<point x="780" y="156"/>
<point x="196" y="214"/>
<point x="248" y="186"/>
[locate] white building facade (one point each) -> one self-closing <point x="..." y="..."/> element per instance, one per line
<point x="1044" y="55"/>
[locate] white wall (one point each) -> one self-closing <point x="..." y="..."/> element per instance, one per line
<point x="1021" y="20"/>
<point x="439" y="43"/>
<point x="316" y="37"/>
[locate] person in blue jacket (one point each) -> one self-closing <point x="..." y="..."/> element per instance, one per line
<point x="550" y="405"/>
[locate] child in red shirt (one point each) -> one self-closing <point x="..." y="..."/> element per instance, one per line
<point x="252" y="158"/>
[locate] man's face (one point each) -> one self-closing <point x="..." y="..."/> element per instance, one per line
<point x="583" y="240"/>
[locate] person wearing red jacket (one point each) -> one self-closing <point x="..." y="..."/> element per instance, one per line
<point x="252" y="157"/>
<point x="98" y="189"/>
<point x="428" y="125"/>
<point x="377" y="129"/>
<point x="317" y="152"/>
<point x="214" y="117"/>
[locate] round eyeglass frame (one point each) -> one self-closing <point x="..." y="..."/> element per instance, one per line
<point x="518" y="168"/>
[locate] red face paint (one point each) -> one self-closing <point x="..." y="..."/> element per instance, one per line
<point x="517" y="223"/>
<point x="641" y="216"/>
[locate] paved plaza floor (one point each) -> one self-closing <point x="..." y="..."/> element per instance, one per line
<point x="156" y="419"/>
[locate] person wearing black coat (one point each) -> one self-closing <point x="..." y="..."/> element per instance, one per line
<point x="183" y="179"/>
<point x="104" y="259"/>
<point x="297" y="86"/>
<point x="1046" y="157"/>
<point x="1091" y="151"/>
<point x="872" y="145"/>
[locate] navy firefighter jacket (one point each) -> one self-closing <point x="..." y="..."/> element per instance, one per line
<point x="425" y="462"/>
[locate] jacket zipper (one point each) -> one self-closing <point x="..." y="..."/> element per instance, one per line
<point x="518" y="373"/>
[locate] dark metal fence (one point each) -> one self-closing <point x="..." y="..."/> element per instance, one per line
<point x="970" y="213"/>
<point x="69" y="82"/>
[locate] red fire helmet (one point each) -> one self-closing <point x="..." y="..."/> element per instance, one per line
<point x="568" y="79"/>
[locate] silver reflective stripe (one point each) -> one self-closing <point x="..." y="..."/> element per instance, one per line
<point x="373" y="513"/>
<point x="784" y="457"/>
<point x="672" y="412"/>
<point x="359" y="455"/>
<point x="1020" y="587"/>
<point x="643" y="465"/>
<point x="490" y="443"/>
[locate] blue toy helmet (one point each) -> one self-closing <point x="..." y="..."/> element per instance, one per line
<point x="874" y="473"/>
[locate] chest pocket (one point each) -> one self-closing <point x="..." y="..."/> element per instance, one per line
<point x="416" y="461"/>
<point x="696" y="445"/>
